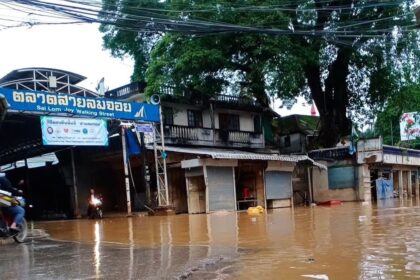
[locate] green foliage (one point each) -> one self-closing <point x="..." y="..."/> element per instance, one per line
<point x="388" y="121"/>
<point x="365" y="52"/>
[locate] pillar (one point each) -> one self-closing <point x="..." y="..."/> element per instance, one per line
<point x="400" y="184"/>
<point x="410" y="185"/>
<point x="416" y="187"/>
<point x="367" y="196"/>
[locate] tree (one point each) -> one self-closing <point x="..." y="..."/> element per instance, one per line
<point x="347" y="56"/>
<point x="388" y="121"/>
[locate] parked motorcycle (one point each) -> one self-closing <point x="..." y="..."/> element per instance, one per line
<point x="95" y="208"/>
<point x="6" y="200"/>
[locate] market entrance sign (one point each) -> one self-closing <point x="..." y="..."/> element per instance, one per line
<point x="65" y="104"/>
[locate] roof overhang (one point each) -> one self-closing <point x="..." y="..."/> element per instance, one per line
<point x="3" y="107"/>
<point x="239" y="155"/>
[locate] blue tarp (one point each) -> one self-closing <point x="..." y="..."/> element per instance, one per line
<point x="384" y="189"/>
<point x="133" y="146"/>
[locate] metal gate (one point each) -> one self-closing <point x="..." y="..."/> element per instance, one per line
<point x="278" y="184"/>
<point x="221" y="188"/>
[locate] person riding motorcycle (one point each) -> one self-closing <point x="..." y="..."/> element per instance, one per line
<point x="16" y="211"/>
<point x="93" y="204"/>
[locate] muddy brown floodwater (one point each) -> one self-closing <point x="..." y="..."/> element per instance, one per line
<point x="351" y="241"/>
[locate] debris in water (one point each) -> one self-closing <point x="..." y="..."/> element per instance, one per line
<point x="317" y="276"/>
<point x="362" y="218"/>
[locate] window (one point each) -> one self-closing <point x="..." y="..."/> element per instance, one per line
<point x="229" y="122"/>
<point x="195" y="118"/>
<point x="168" y="115"/>
<point x="257" y="124"/>
<point x="287" y="141"/>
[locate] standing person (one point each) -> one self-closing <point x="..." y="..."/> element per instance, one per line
<point x="16" y="211"/>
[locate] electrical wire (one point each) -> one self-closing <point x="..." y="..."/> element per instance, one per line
<point x="89" y="11"/>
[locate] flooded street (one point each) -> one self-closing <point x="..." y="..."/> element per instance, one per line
<point x="350" y="241"/>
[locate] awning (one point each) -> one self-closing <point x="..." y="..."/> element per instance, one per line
<point x="34" y="162"/>
<point x="235" y="154"/>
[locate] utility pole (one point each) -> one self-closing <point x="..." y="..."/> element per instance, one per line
<point x="127" y="181"/>
<point x="76" y="199"/>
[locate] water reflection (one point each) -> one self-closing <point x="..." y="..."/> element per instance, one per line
<point x="96" y="251"/>
<point x="352" y="241"/>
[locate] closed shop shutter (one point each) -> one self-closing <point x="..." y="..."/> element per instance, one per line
<point x="341" y="177"/>
<point x="278" y="184"/>
<point x="220" y="188"/>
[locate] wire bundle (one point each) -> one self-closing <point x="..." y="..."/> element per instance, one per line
<point x="189" y="20"/>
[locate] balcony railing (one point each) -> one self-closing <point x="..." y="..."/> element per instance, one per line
<point x="175" y="134"/>
<point x="239" y="100"/>
<point x="171" y="92"/>
<point x="190" y="95"/>
<point x="126" y="91"/>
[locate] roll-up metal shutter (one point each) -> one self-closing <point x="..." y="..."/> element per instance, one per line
<point x="220" y="188"/>
<point x="278" y="184"/>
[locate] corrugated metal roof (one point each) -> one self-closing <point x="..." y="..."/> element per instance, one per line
<point x="235" y="154"/>
<point x="34" y="162"/>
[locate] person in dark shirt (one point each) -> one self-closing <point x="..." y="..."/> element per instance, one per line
<point x="16" y="211"/>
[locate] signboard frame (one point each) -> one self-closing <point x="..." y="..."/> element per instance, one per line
<point x="65" y="131"/>
<point x="41" y="102"/>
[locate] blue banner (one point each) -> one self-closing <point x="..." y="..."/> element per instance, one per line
<point x="65" y="104"/>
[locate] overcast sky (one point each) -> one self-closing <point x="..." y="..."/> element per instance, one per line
<point x="76" y="48"/>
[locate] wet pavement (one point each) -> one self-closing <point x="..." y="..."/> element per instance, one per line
<point x="351" y="241"/>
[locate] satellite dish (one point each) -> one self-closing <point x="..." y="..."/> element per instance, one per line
<point x="155" y="99"/>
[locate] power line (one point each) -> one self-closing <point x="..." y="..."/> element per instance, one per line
<point x="157" y="20"/>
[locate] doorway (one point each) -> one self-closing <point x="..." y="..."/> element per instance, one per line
<point x="196" y="188"/>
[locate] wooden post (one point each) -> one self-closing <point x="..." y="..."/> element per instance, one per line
<point x="308" y="170"/>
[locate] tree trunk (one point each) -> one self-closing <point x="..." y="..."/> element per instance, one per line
<point x="257" y="86"/>
<point x="333" y="100"/>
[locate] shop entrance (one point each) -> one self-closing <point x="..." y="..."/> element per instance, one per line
<point x="196" y="195"/>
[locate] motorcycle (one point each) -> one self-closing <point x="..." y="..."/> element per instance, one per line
<point x="6" y="200"/>
<point x="95" y="208"/>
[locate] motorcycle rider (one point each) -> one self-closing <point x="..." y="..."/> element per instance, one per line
<point x="16" y="211"/>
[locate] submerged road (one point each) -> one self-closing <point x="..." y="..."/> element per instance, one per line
<point x="351" y="241"/>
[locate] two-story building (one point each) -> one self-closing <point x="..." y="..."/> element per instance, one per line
<point x="219" y="152"/>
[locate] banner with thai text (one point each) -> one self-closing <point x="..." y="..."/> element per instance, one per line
<point x="74" y="131"/>
<point x="64" y="104"/>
